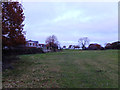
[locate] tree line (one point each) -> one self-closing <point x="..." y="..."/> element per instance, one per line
<point x="82" y="42"/>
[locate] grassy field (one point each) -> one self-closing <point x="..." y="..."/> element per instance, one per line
<point x="66" y="69"/>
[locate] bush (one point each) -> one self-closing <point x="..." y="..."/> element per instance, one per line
<point x="114" y="45"/>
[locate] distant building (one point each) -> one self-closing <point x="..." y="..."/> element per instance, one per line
<point x="35" y="44"/>
<point x="31" y="43"/>
<point x="44" y="47"/>
<point x="41" y="45"/>
<point x="64" y="47"/>
<point x="71" y="47"/>
<point x="76" y="47"/>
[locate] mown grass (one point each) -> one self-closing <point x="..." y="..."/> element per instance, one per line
<point x="66" y="69"/>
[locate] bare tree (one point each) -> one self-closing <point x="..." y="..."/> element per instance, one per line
<point x="83" y="42"/>
<point x="52" y="42"/>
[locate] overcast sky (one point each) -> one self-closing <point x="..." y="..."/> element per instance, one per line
<point x="70" y="21"/>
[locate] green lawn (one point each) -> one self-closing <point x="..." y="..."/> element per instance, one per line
<point x="66" y="69"/>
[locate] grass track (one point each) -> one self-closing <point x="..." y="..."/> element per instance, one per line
<point x="69" y="68"/>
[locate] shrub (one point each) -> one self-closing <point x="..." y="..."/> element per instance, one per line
<point x="18" y="51"/>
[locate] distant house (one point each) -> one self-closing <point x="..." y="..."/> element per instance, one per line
<point x="64" y="47"/>
<point x="33" y="44"/>
<point x="41" y="45"/>
<point x="44" y="47"/>
<point x="76" y="47"/>
<point x="71" y="47"/>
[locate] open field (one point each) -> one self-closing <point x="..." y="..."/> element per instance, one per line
<point x="69" y="68"/>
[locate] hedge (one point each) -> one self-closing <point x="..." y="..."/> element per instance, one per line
<point x="19" y="51"/>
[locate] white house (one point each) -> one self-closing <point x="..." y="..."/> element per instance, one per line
<point x="31" y="43"/>
<point x="35" y="44"/>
